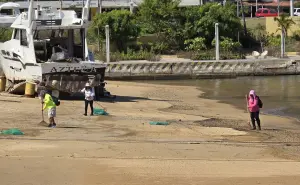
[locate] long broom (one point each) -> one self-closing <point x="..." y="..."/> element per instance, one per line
<point x="248" y="112"/>
<point x="43" y="122"/>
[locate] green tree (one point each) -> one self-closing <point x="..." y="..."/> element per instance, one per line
<point x="122" y="24"/>
<point x="284" y="22"/>
<point x="211" y="13"/>
<point x="161" y="17"/>
<point x="260" y="34"/>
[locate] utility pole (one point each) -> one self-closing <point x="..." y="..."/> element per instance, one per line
<point x="278" y="6"/>
<point x="131" y="6"/>
<point x="237" y="8"/>
<point x="292" y="7"/>
<point x="256" y="6"/>
<point x="217" y="41"/>
<point x="200" y="2"/>
<point x="238" y="15"/>
<point x="99" y="11"/>
<point x="99" y="6"/>
<point x="107" y="43"/>
<point x="61" y="5"/>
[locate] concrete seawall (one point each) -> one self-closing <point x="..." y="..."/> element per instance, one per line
<point x="145" y="70"/>
<point x="200" y="69"/>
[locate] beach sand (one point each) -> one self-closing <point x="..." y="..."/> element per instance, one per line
<point x="207" y="142"/>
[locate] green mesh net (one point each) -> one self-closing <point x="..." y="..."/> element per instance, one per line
<point x="13" y="131"/>
<point x="100" y="112"/>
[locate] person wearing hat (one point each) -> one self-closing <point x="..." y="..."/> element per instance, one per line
<point x="89" y="94"/>
<point x="49" y="104"/>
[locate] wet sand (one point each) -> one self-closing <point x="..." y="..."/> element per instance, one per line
<point x="207" y="142"/>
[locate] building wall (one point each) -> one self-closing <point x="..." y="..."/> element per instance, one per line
<point x="271" y="26"/>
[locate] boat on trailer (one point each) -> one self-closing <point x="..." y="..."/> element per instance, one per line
<point x="50" y="46"/>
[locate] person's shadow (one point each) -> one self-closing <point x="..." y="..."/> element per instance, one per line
<point x="80" y="97"/>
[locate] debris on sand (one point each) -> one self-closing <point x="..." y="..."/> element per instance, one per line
<point x="158" y="123"/>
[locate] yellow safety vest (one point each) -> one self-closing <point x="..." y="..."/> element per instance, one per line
<point x="48" y="102"/>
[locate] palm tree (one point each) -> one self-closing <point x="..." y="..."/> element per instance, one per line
<point x="284" y="22"/>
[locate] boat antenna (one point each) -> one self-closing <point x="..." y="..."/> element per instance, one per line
<point x="30" y="14"/>
<point x="85" y="10"/>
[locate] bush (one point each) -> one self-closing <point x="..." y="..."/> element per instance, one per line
<point x="130" y="55"/>
<point x="210" y="55"/>
<point x="196" y="44"/>
<point x="227" y="44"/>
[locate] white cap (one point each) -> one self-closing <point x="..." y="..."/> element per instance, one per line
<point x="54" y="83"/>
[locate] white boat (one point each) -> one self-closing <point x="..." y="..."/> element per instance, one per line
<point x="12" y="10"/>
<point x="50" y="45"/>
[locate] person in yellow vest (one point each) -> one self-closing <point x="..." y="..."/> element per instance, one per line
<point x="51" y="106"/>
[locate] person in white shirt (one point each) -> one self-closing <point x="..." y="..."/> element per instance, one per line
<point x="89" y="93"/>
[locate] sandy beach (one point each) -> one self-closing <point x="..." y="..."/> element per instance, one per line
<point x="207" y="142"/>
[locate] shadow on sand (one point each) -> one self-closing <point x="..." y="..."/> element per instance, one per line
<point x="15" y="101"/>
<point x="80" y="97"/>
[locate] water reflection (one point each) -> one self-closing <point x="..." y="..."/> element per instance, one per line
<point x="280" y="94"/>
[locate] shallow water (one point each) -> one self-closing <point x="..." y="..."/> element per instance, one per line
<point x="280" y="94"/>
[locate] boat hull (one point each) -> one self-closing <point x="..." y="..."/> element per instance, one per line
<point x="66" y="77"/>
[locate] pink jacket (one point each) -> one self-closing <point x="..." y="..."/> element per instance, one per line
<point x="253" y="102"/>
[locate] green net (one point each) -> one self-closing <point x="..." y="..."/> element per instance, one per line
<point x="158" y="123"/>
<point x="100" y="112"/>
<point x="13" y="131"/>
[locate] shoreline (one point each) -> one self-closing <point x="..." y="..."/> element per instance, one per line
<point x="192" y="148"/>
<point x="202" y="96"/>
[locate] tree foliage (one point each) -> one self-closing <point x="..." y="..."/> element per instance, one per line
<point x="178" y="24"/>
<point x="5" y="34"/>
<point x="284" y="22"/>
<point x="158" y="16"/>
<point x="174" y="26"/>
<point x="122" y="26"/>
<point x="211" y="13"/>
<point x="227" y="44"/>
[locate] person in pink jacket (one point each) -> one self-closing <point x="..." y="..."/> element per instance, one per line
<point x="253" y="109"/>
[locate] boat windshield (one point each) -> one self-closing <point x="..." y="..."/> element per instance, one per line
<point x="9" y="12"/>
<point x="59" y="45"/>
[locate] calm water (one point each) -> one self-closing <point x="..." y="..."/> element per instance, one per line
<point x="280" y="94"/>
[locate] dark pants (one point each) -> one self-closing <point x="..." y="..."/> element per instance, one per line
<point x="255" y="117"/>
<point x="87" y="102"/>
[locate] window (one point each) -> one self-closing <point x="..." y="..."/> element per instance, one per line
<point x="6" y="11"/>
<point x="265" y="11"/>
<point x="273" y="11"/>
<point x="24" y="38"/>
<point x="17" y="34"/>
